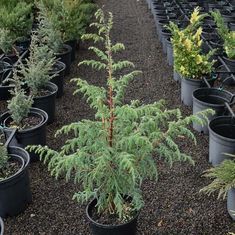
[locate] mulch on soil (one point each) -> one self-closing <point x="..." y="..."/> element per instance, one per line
<point x="173" y="205"/>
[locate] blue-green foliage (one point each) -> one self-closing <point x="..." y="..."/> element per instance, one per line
<point x="110" y="164"/>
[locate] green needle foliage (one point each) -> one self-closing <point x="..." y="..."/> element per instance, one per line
<point x="36" y="69"/>
<point x="48" y="31"/>
<point x="227" y="36"/>
<point x="223" y="178"/>
<point x="20" y="104"/>
<point x="17" y="18"/>
<point x="6" y="41"/>
<point x="71" y="16"/>
<point x="111" y="156"/>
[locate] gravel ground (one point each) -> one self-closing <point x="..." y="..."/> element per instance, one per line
<point x="173" y="204"/>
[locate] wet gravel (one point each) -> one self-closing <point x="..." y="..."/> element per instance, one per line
<point x="173" y="204"/>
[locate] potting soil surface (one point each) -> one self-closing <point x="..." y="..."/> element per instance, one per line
<point x="173" y="205"/>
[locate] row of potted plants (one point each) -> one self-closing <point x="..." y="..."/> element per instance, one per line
<point x="198" y="45"/>
<point x="26" y="82"/>
<point x="111" y="156"/>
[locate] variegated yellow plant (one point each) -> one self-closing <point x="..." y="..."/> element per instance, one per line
<point x="189" y="61"/>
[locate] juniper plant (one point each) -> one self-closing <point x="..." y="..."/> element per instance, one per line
<point x="48" y="31"/>
<point x="36" y="69"/>
<point x="223" y="178"/>
<point x="111" y="156"/>
<point x="16" y="17"/>
<point x="20" y="104"/>
<point x="70" y="17"/>
<point x="227" y="36"/>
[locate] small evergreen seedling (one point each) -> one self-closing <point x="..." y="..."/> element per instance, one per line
<point x="20" y="104"/>
<point x="111" y="156"/>
<point x="36" y="69"/>
<point x="48" y="31"/>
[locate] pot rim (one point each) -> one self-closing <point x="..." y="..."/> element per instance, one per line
<point x="22" y="167"/>
<point x="51" y="85"/>
<point x="216" y="134"/>
<point x="61" y="64"/>
<point x="67" y="51"/>
<point x="92" y="203"/>
<point x="37" y="111"/>
<point x="209" y="104"/>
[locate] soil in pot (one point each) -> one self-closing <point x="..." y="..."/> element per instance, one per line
<point x="30" y="135"/>
<point x="98" y="224"/>
<point x="12" y="167"/>
<point x="15" y="192"/>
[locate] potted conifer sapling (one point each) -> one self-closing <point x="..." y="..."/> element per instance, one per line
<point x="189" y="61"/>
<point x="223" y="182"/>
<point x="111" y="156"/>
<point x="50" y="35"/>
<point x="72" y="19"/>
<point x="36" y="74"/>
<point x="16" y="17"/>
<point x="29" y="122"/>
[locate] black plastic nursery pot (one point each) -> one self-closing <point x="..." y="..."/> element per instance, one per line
<point x="31" y="136"/>
<point x="65" y="57"/>
<point x="128" y="228"/>
<point x="188" y="86"/>
<point x="73" y="44"/>
<point x="231" y="203"/>
<point x="59" y="69"/>
<point x="47" y="103"/>
<point x="230" y="63"/>
<point x="210" y="98"/>
<point x="15" y="194"/>
<point x="221" y="139"/>
<point x="1" y="226"/>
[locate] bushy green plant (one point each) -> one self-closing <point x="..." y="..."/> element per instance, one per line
<point x="36" y="70"/>
<point x="227" y="36"/>
<point x="223" y="178"/>
<point x="111" y="156"/>
<point x="20" y="104"/>
<point x="6" y="41"/>
<point x="48" y="31"/>
<point x="16" y="18"/>
<point x="72" y="17"/>
<point x="189" y="61"/>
